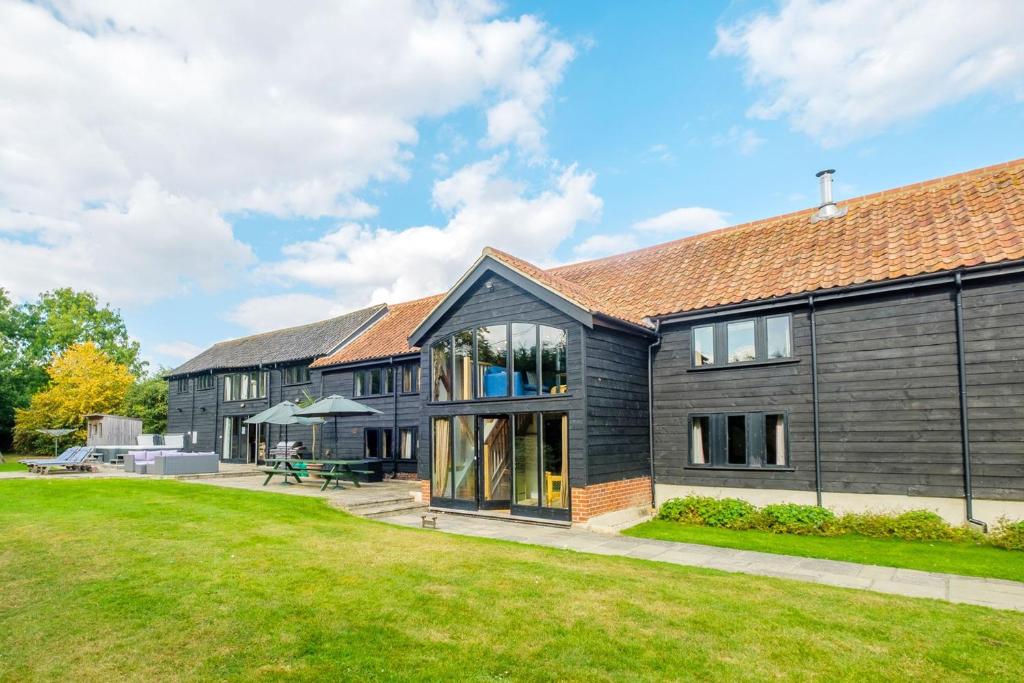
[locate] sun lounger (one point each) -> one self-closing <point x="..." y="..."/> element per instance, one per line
<point x="75" y="463"/>
<point x="52" y="461"/>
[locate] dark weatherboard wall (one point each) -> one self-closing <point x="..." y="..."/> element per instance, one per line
<point x="889" y="400"/>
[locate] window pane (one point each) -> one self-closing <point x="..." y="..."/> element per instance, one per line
<point x="411" y="378"/>
<point x="704" y="345"/>
<point x="359" y="383"/>
<point x="495" y="458"/>
<point x="464" y="461"/>
<point x="440" y="471"/>
<point x="407" y="443"/>
<point x="526" y="460"/>
<point x="775" y="439"/>
<point x="441" y="371"/>
<point x="389" y="380"/>
<point x="375" y="382"/>
<point x="371" y="443"/>
<point x="492" y="360"/>
<point x="524" y="360"/>
<point x="736" y="440"/>
<point x="385" y="444"/>
<point x="556" y="460"/>
<point x="779" y="344"/>
<point x="700" y="440"/>
<point x="553" y="343"/>
<point x="463" y="381"/>
<point x="740" y="336"/>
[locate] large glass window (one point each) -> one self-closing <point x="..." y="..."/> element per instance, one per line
<point x="463" y="379"/>
<point x="527" y="436"/>
<point x="524" y="359"/>
<point x="245" y="386"/>
<point x="750" y="440"/>
<point x="464" y="457"/>
<point x="373" y="382"/>
<point x="556" y="460"/>
<point x="703" y="345"/>
<point x="406" y="443"/>
<point x="535" y="364"/>
<point x="204" y="382"/>
<point x="553" y="342"/>
<point x="183" y="385"/>
<point x="441" y="371"/>
<point x="440" y="471"/>
<point x="492" y="360"/>
<point x="740" y="341"/>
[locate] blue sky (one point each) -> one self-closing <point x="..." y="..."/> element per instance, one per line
<point x="210" y="190"/>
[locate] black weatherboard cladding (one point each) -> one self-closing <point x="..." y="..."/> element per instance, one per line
<point x="888" y="396"/>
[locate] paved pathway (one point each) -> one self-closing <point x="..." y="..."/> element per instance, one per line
<point x="995" y="593"/>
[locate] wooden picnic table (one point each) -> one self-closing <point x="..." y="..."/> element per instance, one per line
<point x="329" y="470"/>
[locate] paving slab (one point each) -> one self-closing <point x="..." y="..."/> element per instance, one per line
<point x="995" y="593"/>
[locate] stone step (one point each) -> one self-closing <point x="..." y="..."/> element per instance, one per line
<point x="389" y="510"/>
<point x="395" y="499"/>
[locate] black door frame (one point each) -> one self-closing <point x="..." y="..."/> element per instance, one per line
<point x="504" y="503"/>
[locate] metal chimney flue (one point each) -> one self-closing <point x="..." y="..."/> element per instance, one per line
<point x="827" y="209"/>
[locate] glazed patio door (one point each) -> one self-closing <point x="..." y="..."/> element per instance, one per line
<point x="495" y="467"/>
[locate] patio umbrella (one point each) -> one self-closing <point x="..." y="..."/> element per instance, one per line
<point x="56" y="434"/>
<point x="282" y="414"/>
<point x="336" y="406"/>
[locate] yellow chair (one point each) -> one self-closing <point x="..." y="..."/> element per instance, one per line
<point x="553" y="489"/>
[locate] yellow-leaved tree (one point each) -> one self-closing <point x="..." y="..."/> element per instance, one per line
<point x="83" y="381"/>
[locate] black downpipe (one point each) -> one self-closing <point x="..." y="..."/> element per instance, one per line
<point x="191" y="419"/>
<point x="650" y="404"/>
<point x="394" y="431"/>
<point x="965" y="433"/>
<point x="814" y="398"/>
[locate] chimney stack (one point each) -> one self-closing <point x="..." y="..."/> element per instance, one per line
<point x="827" y="209"/>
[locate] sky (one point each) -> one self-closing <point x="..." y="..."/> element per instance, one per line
<point x="212" y="170"/>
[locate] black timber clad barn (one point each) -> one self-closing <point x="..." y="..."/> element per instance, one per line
<point x="871" y="357"/>
<point x="210" y="395"/>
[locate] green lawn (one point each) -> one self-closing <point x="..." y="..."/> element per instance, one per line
<point x="11" y="464"/>
<point x="139" y="580"/>
<point x="933" y="556"/>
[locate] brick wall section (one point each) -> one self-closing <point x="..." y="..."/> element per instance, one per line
<point x="595" y="500"/>
<point x="614" y="495"/>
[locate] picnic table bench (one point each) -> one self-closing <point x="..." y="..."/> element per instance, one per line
<point x="329" y="470"/>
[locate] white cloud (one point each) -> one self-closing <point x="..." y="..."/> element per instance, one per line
<point x="688" y="220"/>
<point x="364" y="264"/>
<point x="597" y="246"/>
<point x="838" y="70"/>
<point x="289" y="109"/>
<point x="264" y="313"/>
<point x="744" y="140"/>
<point x="177" y="350"/>
<point x="156" y="244"/>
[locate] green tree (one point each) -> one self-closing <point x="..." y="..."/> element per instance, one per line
<point x="33" y="334"/>
<point x="83" y="381"/>
<point x="147" y="399"/>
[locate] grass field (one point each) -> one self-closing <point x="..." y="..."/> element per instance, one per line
<point x="934" y="556"/>
<point x="119" y="579"/>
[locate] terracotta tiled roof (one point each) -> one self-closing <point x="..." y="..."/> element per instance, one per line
<point x="958" y="221"/>
<point x="389" y="336"/>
